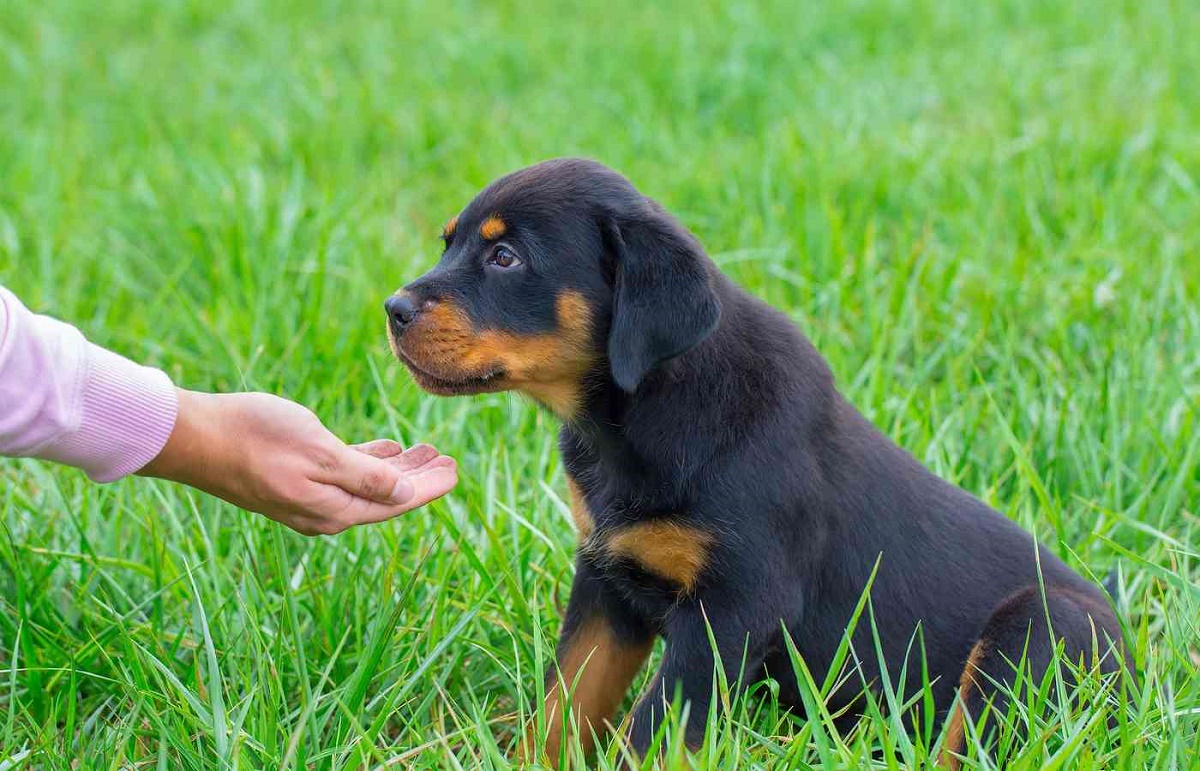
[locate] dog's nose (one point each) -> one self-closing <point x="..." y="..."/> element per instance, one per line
<point x="400" y="309"/>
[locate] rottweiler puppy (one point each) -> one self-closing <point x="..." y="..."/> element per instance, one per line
<point x="719" y="482"/>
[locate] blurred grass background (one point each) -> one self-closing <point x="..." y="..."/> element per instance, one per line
<point x="986" y="216"/>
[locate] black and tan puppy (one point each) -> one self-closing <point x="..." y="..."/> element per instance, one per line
<point x="718" y="479"/>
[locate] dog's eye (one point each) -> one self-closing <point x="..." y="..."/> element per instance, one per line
<point x="503" y="257"/>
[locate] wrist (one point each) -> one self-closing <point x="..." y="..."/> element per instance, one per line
<point x="188" y="448"/>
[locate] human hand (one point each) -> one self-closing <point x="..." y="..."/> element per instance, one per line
<point x="273" y="456"/>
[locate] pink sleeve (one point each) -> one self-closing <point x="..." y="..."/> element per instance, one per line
<point x="66" y="400"/>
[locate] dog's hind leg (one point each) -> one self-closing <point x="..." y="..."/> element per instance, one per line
<point x="1023" y="632"/>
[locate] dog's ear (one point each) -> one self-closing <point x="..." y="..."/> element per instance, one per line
<point x="663" y="299"/>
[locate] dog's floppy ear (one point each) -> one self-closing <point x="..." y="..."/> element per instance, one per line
<point x="663" y="299"/>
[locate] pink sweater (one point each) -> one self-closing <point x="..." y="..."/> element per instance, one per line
<point x="66" y="400"/>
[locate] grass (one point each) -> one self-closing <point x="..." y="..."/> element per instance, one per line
<point x="985" y="216"/>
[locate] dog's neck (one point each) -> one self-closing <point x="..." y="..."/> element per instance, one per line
<point x="632" y="431"/>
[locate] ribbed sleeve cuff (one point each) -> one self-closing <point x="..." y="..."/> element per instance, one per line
<point x="128" y="412"/>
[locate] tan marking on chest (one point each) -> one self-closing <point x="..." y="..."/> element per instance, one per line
<point x="580" y="513"/>
<point x="673" y="551"/>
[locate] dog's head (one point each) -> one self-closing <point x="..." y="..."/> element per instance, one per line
<point x="554" y="274"/>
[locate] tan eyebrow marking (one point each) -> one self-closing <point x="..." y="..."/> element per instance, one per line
<point x="448" y="228"/>
<point x="492" y="228"/>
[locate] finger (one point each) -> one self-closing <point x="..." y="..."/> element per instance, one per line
<point x="364" y="476"/>
<point x="427" y="486"/>
<point x="443" y="460"/>
<point x="432" y="484"/>
<point x="412" y="465"/>
<point x="414" y="457"/>
<point x="380" y="448"/>
<point x="340" y="509"/>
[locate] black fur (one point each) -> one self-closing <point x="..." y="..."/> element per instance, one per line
<point x="710" y="408"/>
<point x="664" y="303"/>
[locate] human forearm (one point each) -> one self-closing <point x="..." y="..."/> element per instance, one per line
<point x="66" y="400"/>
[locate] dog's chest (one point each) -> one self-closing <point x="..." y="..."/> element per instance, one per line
<point x="650" y="561"/>
<point x="649" y="595"/>
<point x="667" y="550"/>
<point x="663" y="545"/>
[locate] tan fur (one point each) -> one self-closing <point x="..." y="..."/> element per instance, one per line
<point x="492" y="228"/>
<point x="549" y="367"/>
<point x="675" y="552"/>
<point x="584" y="522"/>
<point x="448" y="228"/>
<point x="597" y="670"/>
<point x="955" y="733"/>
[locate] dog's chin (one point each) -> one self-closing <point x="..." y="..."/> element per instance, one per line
<point x="464" y="385"/>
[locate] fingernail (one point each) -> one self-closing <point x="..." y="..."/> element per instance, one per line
<point x="403" y="491"/>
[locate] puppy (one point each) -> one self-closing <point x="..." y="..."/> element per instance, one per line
<point x="719" y="482"/>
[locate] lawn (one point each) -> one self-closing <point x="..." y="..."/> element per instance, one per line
<point x="986" y="216"/>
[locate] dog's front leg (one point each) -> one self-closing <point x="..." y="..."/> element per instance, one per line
<point x="688" y="668"/>
<point x="600" y="650"/>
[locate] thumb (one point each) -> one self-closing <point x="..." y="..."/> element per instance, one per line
<point x="374" y="479"/>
